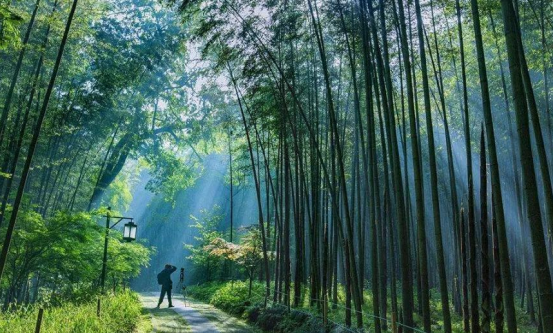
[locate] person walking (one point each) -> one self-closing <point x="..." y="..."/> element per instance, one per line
<point x="164" y="279"/>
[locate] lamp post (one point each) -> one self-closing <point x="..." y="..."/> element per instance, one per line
<point x="129" y="235"/>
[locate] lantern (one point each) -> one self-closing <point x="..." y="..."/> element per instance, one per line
<point x="130" y="231"/>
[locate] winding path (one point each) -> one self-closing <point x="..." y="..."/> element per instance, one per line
<point x="194" y="317"/>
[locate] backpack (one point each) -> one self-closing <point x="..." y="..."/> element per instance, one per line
<point x="161" y="278"/>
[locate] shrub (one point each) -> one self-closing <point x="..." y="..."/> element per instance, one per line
<point x="233" y="297"/>
<point x="203" y="292"/>
<point x="252" y="312"/>
<point x="230" y="296"/>
<point x="270" y="318"/>
<point x="298" y="322"/>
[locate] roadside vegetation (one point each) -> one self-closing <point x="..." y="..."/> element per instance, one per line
<point x="120" y="313"/>
<point x="232" y="297"/>
<point x="55" y="265"/>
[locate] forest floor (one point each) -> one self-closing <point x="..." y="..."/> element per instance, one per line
<point x="192" y="317"/>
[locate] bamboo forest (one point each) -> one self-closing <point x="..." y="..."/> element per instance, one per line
<point x="292" y="166"/>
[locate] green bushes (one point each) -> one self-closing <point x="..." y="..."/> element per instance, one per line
<point x="278" y="319"/>
<point x="203" y="292"/>
<point x="233" y="297"/>
<point x="230" y="296"/>
<point x="269" y="319"/>
<point x="119" y="314"/>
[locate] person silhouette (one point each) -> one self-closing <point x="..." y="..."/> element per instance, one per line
<point x="164" y="279"/>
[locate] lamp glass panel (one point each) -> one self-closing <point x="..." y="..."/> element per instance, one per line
<point x="126" y="230"/>
<point x="133" y="231"/>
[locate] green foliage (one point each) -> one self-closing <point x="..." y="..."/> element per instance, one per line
<point x="127" y="259"/>
<point x="58" y="247"/>
<point x="204" y="291"/>
<point x="204" y="261"/>
<point x="119" y="194"/>
<point x="279" y="319"/>
<point x="5" y="175"/>
<point x="248" y="255"/>
<point x="229" y="296"/>
<point x="250" y="252"/>
<point x="233" y="296"/>
<point x="119" y="314"/>
<point x="11" y="21"/>
<point x="64" y="252"/>
<point x="170" y="175"/>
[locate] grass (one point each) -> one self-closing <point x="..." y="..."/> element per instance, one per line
<point x="168" y="321"/>
<point x="120" y="313"/>
<point x="144" y="324"/>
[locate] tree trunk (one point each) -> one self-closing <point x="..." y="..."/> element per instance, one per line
<point x="542" y="271"/>
<point x="356" y="291"/>
<point x="485" y="284"/>
<point x="537" y="131"/>
<point x="407" y="301"/>
<point x="8" y="100"/>
<point x="286" y="222"/>
<point x="495" y="174"/>
<point x="434" y="196"/>
<point x="465" y="303"/>
<point x="498" y="299"/>
<point x="258" y="191"/>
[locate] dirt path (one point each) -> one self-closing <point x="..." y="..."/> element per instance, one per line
<point x="195" y="317"/>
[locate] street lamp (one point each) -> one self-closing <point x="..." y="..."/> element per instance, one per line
<point x="129" y="234"/>
<point x="130" y="231"/>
